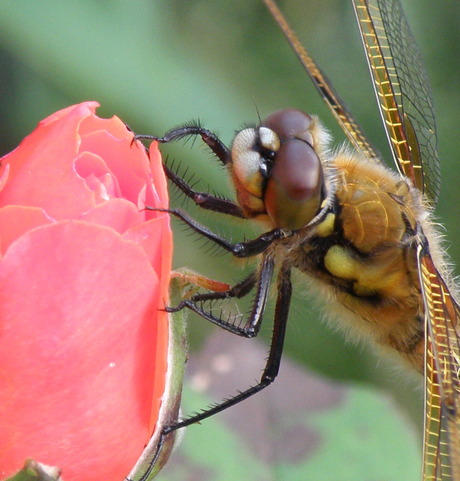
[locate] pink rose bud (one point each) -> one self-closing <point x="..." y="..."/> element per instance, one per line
<point x="84" y="274"/>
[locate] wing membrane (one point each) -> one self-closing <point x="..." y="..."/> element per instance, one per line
<point x="404" y="99"/>
<point x="324" y="86"/>
<point x="402" y="91"/>
<point x="441" y="457"/>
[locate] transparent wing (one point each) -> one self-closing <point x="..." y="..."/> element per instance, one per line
<point x="321" y="82"/>
<point x="441" y="455"/>
<point x="402" y="90"/>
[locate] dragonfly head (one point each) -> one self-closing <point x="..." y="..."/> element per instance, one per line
<point x="277" y="174"/>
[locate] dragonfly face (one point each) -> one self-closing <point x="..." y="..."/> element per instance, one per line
<point x="360" y="231"/>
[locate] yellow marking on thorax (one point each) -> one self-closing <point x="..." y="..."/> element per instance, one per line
<point x="383" y="275"/>
<point x="326" y="227"/>
<point x="340" y="264"/>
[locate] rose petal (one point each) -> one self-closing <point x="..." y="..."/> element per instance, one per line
<point x="127" y="160"/>
<point x="160" y="179"/>
<point x="143" y="234"/>
<point x="39" y="162"/>
<point x="16" y="220"/>
<point x="97" y="176"/>
<point x="90" y="321"/>
<point x="119" y="214"/>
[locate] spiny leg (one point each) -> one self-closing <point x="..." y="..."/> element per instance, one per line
<point x="238" y="290"/>
<point x="209" y="138"/>
<point x="252" y="325"/>
<point x="274" y="357"/>
<point x="204" y="199"/>
<point x="195" y="302"/>
<point x="269" y="374"/>
<point x="239" y="249"/>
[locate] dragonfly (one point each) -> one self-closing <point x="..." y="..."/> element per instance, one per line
<point x="362" y="232"/>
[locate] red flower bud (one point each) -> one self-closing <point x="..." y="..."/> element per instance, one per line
<point x="84" y="272"/>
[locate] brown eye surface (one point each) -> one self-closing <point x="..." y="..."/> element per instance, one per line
<point x="293" y="191"/>
<point x="290" y="123"/>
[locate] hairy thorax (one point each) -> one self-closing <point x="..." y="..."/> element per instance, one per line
<point x="362" y="256"/>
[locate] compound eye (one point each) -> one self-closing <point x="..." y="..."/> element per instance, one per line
<point x="289" y="124"/>
<point x="293" y="193"/>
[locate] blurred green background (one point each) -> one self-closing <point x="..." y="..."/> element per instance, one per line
<point x="158" y="63"/>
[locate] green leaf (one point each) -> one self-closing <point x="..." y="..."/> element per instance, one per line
<point x="35" y="471"/>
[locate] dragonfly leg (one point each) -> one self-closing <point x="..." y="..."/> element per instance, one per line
<point x="269" y="374"/>
<point x="209" y="138"/>
<point x="238" y="249"/>
<point x="204" y="199"/>
<point x="250" y="328"/>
